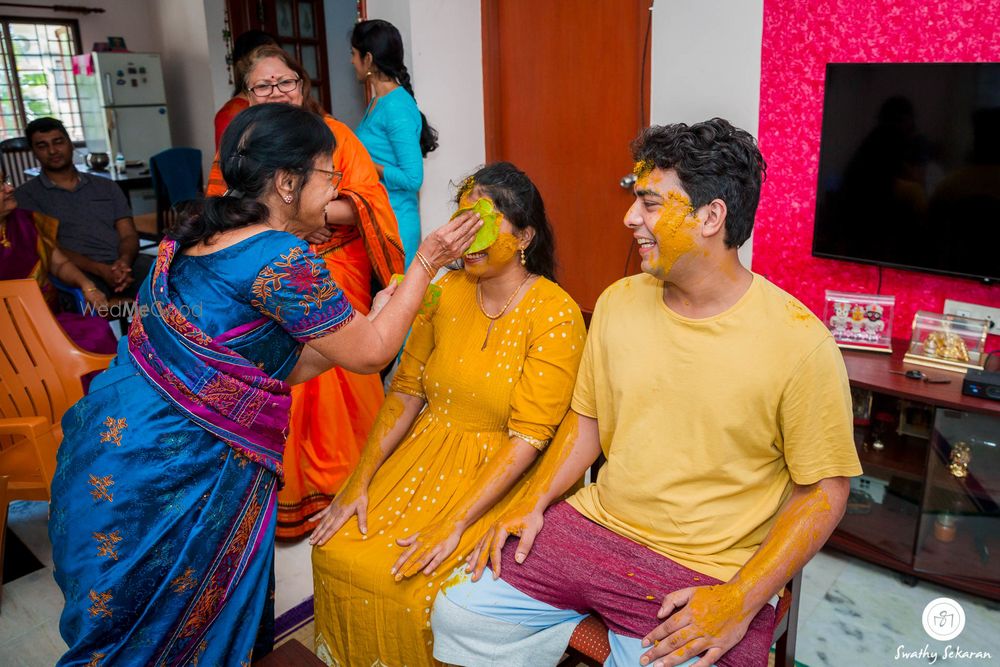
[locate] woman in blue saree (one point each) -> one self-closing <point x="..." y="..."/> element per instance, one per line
<point x="163" y="501"/>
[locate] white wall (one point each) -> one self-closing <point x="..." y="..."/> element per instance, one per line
<point x="193" y="55"/>
<point x="398" y="13"/>
<point x="222" y="88"/>
<point x="706" y="63"/>
<point x="446" y="53"/>
<point x="122" y="18"/>
<point x="347" y="96"/>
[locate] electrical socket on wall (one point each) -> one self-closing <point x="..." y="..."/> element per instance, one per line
<point x="975" y="311"/>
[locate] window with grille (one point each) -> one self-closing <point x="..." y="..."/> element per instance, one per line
<point x="36" y="74"/>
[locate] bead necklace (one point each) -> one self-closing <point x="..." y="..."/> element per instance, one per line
<point x="494" y="318"/>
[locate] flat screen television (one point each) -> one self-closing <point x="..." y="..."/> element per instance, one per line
<point x="909" y="167"/>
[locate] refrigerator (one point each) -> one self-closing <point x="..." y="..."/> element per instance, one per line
<point x="123" y="104"/>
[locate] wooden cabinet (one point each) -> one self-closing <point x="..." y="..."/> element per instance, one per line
<point x="928" y="504"/>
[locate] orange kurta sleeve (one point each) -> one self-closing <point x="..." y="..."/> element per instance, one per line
<point x="225" y="115"/>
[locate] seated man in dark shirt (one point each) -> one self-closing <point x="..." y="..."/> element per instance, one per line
<point x="96" y="230"/>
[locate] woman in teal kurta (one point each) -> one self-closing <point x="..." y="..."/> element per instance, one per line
<point x="393" y="129"/>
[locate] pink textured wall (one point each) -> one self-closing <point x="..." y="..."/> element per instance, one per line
<point x="800" y="38"/>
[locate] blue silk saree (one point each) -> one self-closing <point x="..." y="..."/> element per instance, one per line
<point x="163" y="501"/>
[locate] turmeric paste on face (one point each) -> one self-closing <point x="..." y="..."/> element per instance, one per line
<point x="501" y="252"/>
<point x="674" y="232"/>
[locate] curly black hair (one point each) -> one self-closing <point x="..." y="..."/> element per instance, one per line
<point x="713" y="160"/>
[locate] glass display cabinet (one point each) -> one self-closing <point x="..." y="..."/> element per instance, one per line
<point x="960" y="521"/>
<point x="928" y="503"/>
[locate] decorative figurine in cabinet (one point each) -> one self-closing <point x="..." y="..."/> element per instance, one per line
<point x="960" y="521"/>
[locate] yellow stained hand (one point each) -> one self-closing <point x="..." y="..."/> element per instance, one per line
<point x="352" y="499"/>
<point x="707" y="620"/>
<point x="520" y="519"/>
<point x="427" y="549"/>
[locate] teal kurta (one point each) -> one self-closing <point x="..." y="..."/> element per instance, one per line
<point x="390" y="130"/>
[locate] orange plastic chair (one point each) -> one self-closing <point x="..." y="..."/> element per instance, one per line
<point x="40" y="371"/>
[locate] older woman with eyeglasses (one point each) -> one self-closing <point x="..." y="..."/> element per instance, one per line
<point x="163" y="499"/>
<point x="360" y="244"/>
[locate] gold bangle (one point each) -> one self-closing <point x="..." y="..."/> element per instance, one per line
<point x="428" y="267"/>
<point x="91" y="289"/>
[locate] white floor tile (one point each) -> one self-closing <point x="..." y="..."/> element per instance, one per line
<point x="868" y="613"/>
<point x="850" y="612"/>
<point x="41" y="646"/>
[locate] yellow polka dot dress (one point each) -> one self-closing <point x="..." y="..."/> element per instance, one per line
<point x="476" y="397"/>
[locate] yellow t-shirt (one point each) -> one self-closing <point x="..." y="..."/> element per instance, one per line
<point x="706" y="423"/>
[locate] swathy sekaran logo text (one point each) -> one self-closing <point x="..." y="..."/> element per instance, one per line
<point x="943" y="619"/>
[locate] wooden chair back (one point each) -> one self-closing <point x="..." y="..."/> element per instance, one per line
<point x="16" y="156"/>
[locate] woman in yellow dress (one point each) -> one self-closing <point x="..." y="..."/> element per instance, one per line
<point x="486" y="376"/>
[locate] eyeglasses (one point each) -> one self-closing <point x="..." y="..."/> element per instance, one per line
<point x="335" y="176"/>
<point x="267" y="89"/>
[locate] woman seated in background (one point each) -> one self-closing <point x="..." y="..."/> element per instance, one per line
<point x="360" y="245"/>
<point x="28" y="250"/>
<point x="242" y="46"/>
<point x="393" y="129"/>
<point x="163" y="500"/>
<point x="485" y="378"/>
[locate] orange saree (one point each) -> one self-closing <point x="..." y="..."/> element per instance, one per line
<point x="332" y="413"/>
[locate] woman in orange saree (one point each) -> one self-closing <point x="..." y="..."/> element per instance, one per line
<point x="332" y="413"/>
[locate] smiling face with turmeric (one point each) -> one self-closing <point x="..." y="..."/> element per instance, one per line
<point x="502" y="251"/>
<point x="663" y="221"/>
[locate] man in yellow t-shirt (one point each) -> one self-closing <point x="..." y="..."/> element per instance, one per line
<point x="723" y="408"/>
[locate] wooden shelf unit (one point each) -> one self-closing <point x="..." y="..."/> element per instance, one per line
<point x="898" y="533"/>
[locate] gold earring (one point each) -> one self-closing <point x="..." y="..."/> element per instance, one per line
<point x="523" y="258"/>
